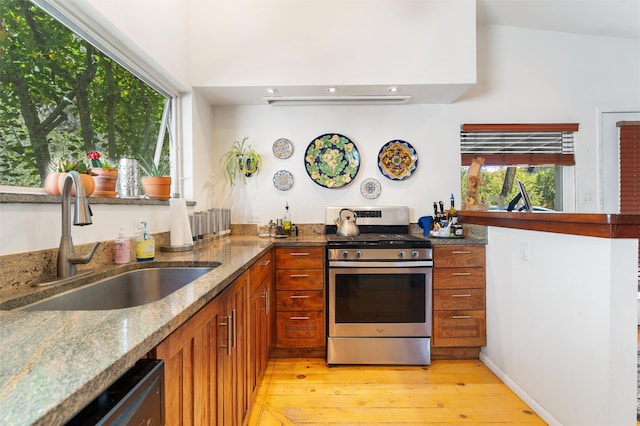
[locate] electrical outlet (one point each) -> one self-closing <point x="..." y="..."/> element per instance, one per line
<point x="524" y="250"/>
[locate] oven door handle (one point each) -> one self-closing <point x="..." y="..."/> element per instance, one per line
<point x="392" y="264"/>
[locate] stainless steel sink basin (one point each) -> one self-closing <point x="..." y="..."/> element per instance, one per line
<point x="126" y="290"/>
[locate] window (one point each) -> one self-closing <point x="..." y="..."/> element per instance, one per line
<point x="533" y="153"/>
<point x="60" y="96"/>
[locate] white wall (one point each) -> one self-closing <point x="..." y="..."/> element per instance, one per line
<point x="561" y="326"/>
<point x="291" y="42"/>
<point x="520" y="79"/>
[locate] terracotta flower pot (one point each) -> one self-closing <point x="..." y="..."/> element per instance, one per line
<point x="89" y="184"/>
<point x="105" y="180"/>
<point x="51" y="183"/>
<point x="157" y="187"/>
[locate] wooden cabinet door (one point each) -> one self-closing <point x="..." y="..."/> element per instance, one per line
<point x="232" y="360"/>
<point x="261" y="322"/>
<point x="190" y="360"/>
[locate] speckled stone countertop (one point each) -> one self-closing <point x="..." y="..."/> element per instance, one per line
<point x="54" y="362"/>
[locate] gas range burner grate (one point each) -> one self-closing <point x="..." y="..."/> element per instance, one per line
<point x="378" y="240"/>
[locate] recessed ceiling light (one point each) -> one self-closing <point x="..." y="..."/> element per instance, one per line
<point x="271" y="90"/>
<point x="393" y="89"/>
<point x="332" y="89"/>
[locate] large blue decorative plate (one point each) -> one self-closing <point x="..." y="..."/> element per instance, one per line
<point x="332" y="160"/>
<point x="397" y="160"/>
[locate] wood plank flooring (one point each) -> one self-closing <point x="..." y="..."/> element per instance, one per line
<point x="307" y="392"/>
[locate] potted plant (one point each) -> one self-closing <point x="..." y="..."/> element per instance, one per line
<point x="241" y="159"/>
<point x="105" y="175"/>
<point x="60" y="168"/>
<point x="156" y="182"/>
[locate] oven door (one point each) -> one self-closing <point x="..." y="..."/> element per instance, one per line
<point x="380" y="301"/>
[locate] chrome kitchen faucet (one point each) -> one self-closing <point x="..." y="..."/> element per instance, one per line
<point x="67" y="259"/>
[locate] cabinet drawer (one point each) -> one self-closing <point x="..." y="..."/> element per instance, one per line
<point x="458" y="256"/>
<point x="464" y="298"/>
<point x="300" y="329"/>
<point x="300" y="279"/>
<point x="459" y="278"/>
<point x="459" y="328"/>
<point x="259" y="271"/>
<point x="300" y="300"/>
<point x="300" y="258"/>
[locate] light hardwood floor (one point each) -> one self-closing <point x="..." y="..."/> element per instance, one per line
<point x="308" y="392"/>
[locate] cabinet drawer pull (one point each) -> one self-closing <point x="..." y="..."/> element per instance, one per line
<point x="299" y="254"/>
<point x="299" y="297"/>
<point x="460" y="274"/>
<point x="460" y="316"/>
<point x="266" y="262"/>
<point x="460" y="295"/>
<point x="267" y="303"/>
<point x="299" y="276"/>
<point x="460" y="252"/>
<point x="299" y="318"/>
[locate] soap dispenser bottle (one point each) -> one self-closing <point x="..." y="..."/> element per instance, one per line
<point x="122" y="250"/>
<point x="145" y="246"/>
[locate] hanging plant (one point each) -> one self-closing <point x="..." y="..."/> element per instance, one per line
<point x="241" y="159"/>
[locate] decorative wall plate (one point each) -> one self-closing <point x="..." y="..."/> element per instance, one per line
<point x="282" y="148"/>
<point x="283" y="180"/>
<point x="370" y="188"/>
<point x="332" y="160"/>
<point x="397" y="160"/>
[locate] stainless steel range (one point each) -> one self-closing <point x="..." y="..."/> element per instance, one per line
<point x="379" y="290"/>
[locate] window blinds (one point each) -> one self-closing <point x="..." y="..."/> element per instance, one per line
<point x="518" y="144"/>
<point x="630" y="170"/>
<point x="629" y="166"/>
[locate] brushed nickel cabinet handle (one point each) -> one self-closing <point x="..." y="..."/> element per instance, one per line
<point x="266" y="262"/>
<point x="299" y="254"/>
<point x="228" y="344"/>
<point x="460" y="274"/>
<point x="299" y="318"/>
<point x="233" y="327"/>
<point x="460" y="295"/>
<point x="299" y="297"/>
<point x="298" y="275"/>
<point x="460" y="252"/>
<point x="460" y="316"/>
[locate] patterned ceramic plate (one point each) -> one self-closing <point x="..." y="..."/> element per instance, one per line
<point x="282" y="148"/>
<point x="370" y="188"/>
<point x="397" y="160"/>
<point x="332" y="160"/>
<point x="283" y="180"/>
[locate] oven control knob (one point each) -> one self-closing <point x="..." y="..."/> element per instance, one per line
<point x="358" y="254"/>
<point x="345" y="254"/>
<point x="415" y="254"/>
<point x="401" y="254"/>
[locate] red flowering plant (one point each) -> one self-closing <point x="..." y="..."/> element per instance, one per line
<point x="94" y="159"/>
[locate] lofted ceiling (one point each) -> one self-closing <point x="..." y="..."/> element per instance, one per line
<point x="605" y="18"/>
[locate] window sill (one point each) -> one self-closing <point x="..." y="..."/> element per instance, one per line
<point x="17" y="198"/>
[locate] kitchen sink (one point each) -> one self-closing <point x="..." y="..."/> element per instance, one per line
<point x="129" y="289"/>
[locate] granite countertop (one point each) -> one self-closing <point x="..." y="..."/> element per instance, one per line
<point x="54" y="362"/>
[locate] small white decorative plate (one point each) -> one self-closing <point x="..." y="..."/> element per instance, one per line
<point x="282" y="148"/>
<point x="370" y="188"/>
<point x="283" y="180"/>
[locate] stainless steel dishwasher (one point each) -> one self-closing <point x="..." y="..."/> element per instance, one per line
<point x="136" y="398"/>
